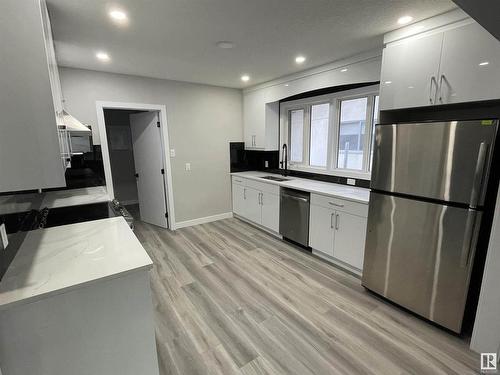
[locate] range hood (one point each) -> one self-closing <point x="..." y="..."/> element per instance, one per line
<point x="73" y="125"/>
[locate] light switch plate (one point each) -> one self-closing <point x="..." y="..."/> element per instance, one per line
<point x="351" y="181"/>
<point x="188" y="166"/>
<point x="172" y="152"/>
<point x="4" y="238"/>
<point x="266" y="164"/>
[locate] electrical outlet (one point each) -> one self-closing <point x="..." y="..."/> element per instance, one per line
<point x="3" y="235"/>
<point x="188" y="166"/>
<point x="351" y="181"/>
<point x="266" y="163"/>
<point x="172" y="152"/>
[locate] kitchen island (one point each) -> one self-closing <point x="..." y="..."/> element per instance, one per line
<point x="76" y="300"/>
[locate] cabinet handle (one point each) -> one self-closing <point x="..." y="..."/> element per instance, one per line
<point x="331" y="220"/>
<point x="237" y="180"/>
<point x="336" y="221"/>
<point x="441" y="87"/>
<point x="433" y="79"/>
<point x="244" y="193"/>
<point x="261" y="199"/>
<point x="336" y="204"/>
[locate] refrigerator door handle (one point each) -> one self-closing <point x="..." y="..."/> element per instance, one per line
<point x="478" y="174"/>
<point x="468" y="237"/>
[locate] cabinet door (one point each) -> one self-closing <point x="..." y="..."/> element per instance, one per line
<point x="350" y="233"/>
<point x="470" y="65"/>
<point x="270" y="211"/>
<point x="321" y="232"/>
<point x="410" y="72"/>
<point x="238" y="200"/>
<point x="252" y="209"/>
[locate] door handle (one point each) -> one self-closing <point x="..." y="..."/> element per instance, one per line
<point x="336" y="221"/>
<point x="478" y="174"/>
<point x="244" y="193"/>
<point x="468" y="237"/>
<point x="295" y="198"/>
<point x="441" y="79"/>
<point x="433" y="79"/>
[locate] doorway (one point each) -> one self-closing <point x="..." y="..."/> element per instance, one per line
<point x="133" y="140"/>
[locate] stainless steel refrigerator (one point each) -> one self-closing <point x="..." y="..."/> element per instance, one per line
<point x="427" y="194"/>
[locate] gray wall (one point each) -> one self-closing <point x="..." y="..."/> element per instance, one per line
<point x="486" y="334"/>
<point x="202" y="120"/>
<point x="122" y="157"/>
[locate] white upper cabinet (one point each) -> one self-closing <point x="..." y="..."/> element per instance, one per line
<point x="261" y="122"/>
<point x="470" y="65"/>
<point x="455" y="63"/>
<point x="410" y="71"/>
<point x="29" y="148"/>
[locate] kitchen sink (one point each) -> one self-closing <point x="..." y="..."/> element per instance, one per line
<point x="274" y="178"/>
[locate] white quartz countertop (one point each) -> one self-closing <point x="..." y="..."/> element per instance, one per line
<point x="352" y="193"/>
<point x="52" y="199"/>
<point x="59" y="259"/>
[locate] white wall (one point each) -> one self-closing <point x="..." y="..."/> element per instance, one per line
<point x="486" y="334"/>
<point x="202" y="120"/>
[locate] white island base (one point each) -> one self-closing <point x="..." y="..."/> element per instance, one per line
<point x="105" y="327"/>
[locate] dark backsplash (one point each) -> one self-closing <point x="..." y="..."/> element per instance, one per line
<point x="251" y="160"/>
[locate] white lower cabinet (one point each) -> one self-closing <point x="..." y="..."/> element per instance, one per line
<point x="257" y="202"/>
<point x="337" y="229"/>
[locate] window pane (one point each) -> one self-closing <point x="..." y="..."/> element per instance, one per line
<point x="375" y="120"/>
<point x="296" y="135"/>
<point x="320" y="116"/>
<point x="352" y="133"/>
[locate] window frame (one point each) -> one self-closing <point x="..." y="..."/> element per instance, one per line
<point x="335" y="100"/>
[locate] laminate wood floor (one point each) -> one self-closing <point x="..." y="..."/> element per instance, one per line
<point x="231" y="299"/>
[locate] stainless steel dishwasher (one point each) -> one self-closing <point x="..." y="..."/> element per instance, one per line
<point x="294" y="215"/>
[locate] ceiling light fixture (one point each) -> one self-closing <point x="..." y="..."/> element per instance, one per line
<point x="404" y="20"/>
<point x="103" y="56"/>
<point x="118" y="16"/>
<point x="344" y="70"/>
<point x="225" y="44"/>
<point x="245" y="78"/>
<point x="388" y="82"/>
<point x="300" y="59"/>
<point x="484" y="63"/>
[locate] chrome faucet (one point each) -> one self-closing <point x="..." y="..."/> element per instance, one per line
<point x="284" y="159"/>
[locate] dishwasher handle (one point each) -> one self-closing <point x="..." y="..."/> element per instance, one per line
<point x="287" y="196"/>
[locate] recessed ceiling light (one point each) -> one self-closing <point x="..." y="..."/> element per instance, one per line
<point x="286" y="85"/>
<point x="410" y="87"/>
<point x="103" y="56"/>
<point x="344" y="70"/>
<point x="245" y="78"/>
<point x="300" y="59"/>
<point x="118" y="15"/>
<point x="225" y="44"/>
<point x="484" y="63"/>
<point x="388" y="82"/>
<point x="404" y="20"/>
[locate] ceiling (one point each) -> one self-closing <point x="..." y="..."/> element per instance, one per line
<point x="176" y="39"/>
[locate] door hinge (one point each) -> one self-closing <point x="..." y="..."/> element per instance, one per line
<point x="158" y="123"/>
<point x="162" y="171"/>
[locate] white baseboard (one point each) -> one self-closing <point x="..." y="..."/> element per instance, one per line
<point x="202" y="220"/>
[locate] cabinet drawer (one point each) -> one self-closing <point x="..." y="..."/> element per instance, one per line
<point x="239" y="180"/>
<point x="338" y="204"/>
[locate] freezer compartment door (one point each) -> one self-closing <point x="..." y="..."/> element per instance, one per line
<point x="420" y="256"/>
<point x="447" y="161"/>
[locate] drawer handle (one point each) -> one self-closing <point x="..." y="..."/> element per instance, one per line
<point x="336" y="204"/>
<point x="237" y="180"/>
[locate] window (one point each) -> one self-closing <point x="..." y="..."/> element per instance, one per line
<point x="296" y="135"/>
<point x="352" y="133"/>
<point x="332" y="134"/>
<point x="320" y="119"/>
